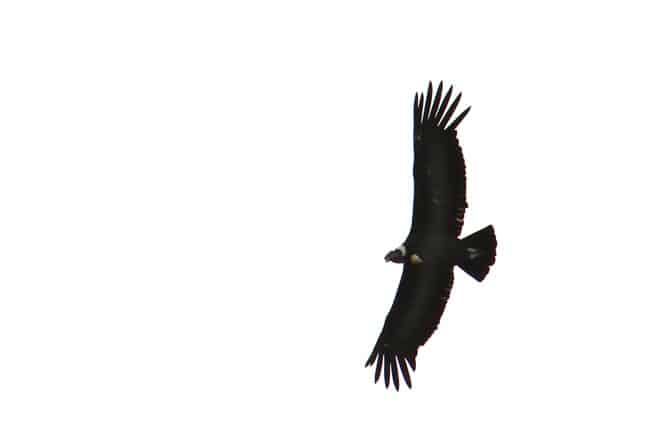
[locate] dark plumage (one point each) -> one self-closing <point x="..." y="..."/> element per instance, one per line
<point x="432" y="247"/>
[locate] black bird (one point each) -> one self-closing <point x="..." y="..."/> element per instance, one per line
<point x="432" y="247"/>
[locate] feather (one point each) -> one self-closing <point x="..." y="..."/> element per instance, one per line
<point x="403" y="367"/>
<point x="442" y="108"/>
<point x="451" y="110"/>
<point x="394" y="372"/>
<point x="437" y="98"/>
<point x="387" y="369"/>
<point x="457" y="120"/>
<point x="378" y="367"/>
<point x="420" y="110"/>
<point x="417" y="112"/>
<point x="411" y="359"/>
<point x="372" y="357"/>
<point x="428" y="100"/>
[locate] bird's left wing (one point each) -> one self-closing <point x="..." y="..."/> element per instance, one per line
<point x="414" y="315"/>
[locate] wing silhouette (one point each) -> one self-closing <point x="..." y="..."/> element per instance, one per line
<point x="437" y="220"/>
<point x="439" y="169"/>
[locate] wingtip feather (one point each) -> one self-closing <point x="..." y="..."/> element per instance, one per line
<point x="372" y="357"/>
<point x="386" y="371"/>
<point x="378" y="368"/>
<point x="388" y="365"/>
<point x="437" y="99"/>
<point x="428" y="100"/>
<point x="405" y="371"/>
<point x="394" y="372"/>
<point x="411" y="360"/>
<point x="443" y="106"/>
<point x="450" y="111"/>
<point x="459" y="119"/>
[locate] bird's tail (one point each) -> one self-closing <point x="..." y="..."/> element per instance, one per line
<point x="478" y="253"/>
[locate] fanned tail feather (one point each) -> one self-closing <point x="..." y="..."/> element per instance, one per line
<point x="478" y="254"/>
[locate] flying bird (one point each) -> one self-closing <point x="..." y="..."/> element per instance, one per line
<point x="432" y="247"/>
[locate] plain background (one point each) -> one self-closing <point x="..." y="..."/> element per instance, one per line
<point x="195" y="199"/>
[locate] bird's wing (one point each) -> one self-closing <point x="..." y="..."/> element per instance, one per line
<point x="439" y="206"/>
<point x="439" y="169"/>
<point x="414" y="315"/>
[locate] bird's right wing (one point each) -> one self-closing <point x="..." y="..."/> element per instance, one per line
<point x="439" y="169"/>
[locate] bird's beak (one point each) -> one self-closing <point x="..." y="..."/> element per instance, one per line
<point x="395" y="256"/>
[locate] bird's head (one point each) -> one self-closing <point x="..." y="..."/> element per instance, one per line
<point x="399" y="255"/>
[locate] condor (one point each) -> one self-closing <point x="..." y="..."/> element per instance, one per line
<point x="432" y="247"/>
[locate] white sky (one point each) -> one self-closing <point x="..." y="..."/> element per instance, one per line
<point x="195" y="201"/>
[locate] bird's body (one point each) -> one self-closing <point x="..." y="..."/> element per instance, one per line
<point x="432" y="247"/>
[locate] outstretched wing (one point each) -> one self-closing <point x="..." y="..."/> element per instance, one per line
<point x="439" y="169"/>
<point x="439" y="206"/>
<point x="414" y="315"/>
